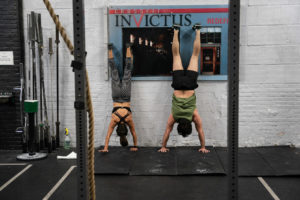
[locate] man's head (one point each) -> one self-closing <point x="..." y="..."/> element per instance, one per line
<point x="184" y="127"/>
<point x="122" y="129"/>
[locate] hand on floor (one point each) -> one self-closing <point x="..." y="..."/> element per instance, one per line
<point x="103" y="150"/>
<point x="163" y="150"/>
<point x="133" y="149"/>
<point x="203" y="150"/>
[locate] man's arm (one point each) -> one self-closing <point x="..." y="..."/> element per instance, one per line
<point x="198" y="125"/>
<point x="168" y="130"/>
<point x="110" y="130"/>
<point x="133" y="133"/>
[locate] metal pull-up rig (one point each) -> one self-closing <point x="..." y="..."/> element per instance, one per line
<point x="82" y="94"/>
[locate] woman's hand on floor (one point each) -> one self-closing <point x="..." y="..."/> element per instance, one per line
<point x="134" y="149"/>
<point x="103" y="150"/>
<point x="203" y="150"/>
<point x="163" y="150"/>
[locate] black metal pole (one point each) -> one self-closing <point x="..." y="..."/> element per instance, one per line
<point x="39" y="33"/>
<point x="33" y="38"/>
<point x="57" y="87"/>
<point x="233" y="97"/>
<point x="80" y="99"/>
<point x="31" y="133"/>
<point x="51" y="137"/>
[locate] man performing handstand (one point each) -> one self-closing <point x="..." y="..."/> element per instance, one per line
<point x="121" y="113"/>
<point x="184" y="109"/>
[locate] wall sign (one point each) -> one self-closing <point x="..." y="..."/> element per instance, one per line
<point x="149" y="29"/>
<point x="6" y="58"/>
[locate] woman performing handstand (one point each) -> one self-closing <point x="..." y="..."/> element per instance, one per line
<point x="121" y="91"/>
<point x="184" y="109"/>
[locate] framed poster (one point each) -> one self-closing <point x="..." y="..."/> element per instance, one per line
<point x="149" y="28"/>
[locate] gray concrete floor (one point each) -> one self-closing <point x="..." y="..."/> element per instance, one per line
<point x="41" y="176"/>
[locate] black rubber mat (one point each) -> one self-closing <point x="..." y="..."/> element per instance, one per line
<point x="117" y="161"/>
<point x="147" y="161"/>
<point x="259" y="161"/>
<point x="191" y="162"/>
<point x="284" y="160"/>
<point x="251" y="163"/>
<point x="150" y="162"/>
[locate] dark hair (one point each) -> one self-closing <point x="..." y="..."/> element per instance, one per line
<point x="122" y="129"/>
<point x="184" y="127"/>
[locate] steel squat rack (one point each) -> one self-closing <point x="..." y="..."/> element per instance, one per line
<point x="80" y="99"/>
<point x="233" y="98"/>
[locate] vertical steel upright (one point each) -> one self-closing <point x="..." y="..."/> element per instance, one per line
<point x="233" y="97"/>
<point x="80" y="98"/>
<point x="57" y="86"/>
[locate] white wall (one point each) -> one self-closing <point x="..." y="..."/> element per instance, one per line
<point x="270" y="71"/>
<point x="269" y="83"/>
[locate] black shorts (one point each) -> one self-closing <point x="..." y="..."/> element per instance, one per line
<point x="184" y="80"/>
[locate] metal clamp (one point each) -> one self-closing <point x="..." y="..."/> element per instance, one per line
<point x="76" y="65"/>
<point x="79" y="105"/>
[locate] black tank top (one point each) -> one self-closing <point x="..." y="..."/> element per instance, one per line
<point x="122" y="119"/>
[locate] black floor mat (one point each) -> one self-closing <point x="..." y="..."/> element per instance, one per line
<point x="284" y="160"/>
<point x="150" y="162"/>
<point x="117" y="161"/>
<point x="147" y="161"/>
<point x="258" y="161"/>
<point x="192" y="162"/>
<point x="251" y="163"/>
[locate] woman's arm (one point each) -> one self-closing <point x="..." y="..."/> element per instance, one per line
<point x="133" y="133"/>
<point x="110" y="130"/>
<point x="168" y="130"/>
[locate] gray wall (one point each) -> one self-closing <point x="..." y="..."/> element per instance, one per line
<point x="269" y="88"/>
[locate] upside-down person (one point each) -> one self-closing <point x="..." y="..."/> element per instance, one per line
<point x="184" y="110"/>
<point x="121" y="90"/>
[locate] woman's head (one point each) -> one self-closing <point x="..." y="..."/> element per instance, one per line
<point x="122" y="129"/>
<point x="184" y="127"/>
